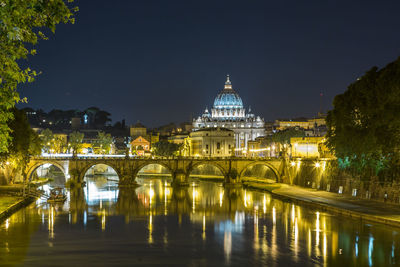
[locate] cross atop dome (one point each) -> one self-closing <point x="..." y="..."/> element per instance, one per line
<point x="228" y="84"/>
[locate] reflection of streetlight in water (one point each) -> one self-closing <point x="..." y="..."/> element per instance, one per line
<point x="228" y="245"/>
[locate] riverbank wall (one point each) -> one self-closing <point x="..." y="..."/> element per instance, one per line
<point x="14" y="207"/>
<point x="324" y="174"/>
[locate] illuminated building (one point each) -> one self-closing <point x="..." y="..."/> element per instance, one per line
<point x="212" y="142"/>
<point x="304" y="123"/>
<point x="309" y="147"/>
<point x="228" y="112"/>
<point x="141" y="145"/>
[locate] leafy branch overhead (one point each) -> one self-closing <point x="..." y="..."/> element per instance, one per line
<point x="22" y="25"/>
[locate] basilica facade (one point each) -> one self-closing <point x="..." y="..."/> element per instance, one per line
<point x="228" y="112"/>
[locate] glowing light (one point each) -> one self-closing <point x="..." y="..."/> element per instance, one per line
<point x="264" y="204"/>
<point x="151" y="194"/>
<point x="356" y="246"/>
<point x="273" y="215"/>
<point x="7" y="223"/>
<point x="51" y="222"/>
<point x="204" y="227"/>
<point x="228" y="245"/>
<point x="292" y="163"/>
<point x="317" y="229"/>
<point x="221" y="195"/>
<point x="151" y="228"/>
<point x="370" y="249"/>
<point x="317" y="165"/>
<point x="293" y="213"/>
<point x="194" y="199"/>
<point x="324" y="248"/>
<point x="103" y="220"/>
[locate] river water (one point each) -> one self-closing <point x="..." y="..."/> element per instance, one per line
<point x="204" y="224"/>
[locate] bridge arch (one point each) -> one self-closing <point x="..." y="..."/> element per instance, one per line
<point x="141" y="166"/>
<point x="252" y="164"/>
<point x="87" y="167"/>
<point x="196" y="164"/>
<point x="31" y="170"/>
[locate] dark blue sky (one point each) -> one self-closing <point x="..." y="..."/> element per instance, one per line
<point x="161" y="61"/>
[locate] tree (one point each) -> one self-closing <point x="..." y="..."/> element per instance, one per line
<point x="57" y="144"/>
<point x="21" y="26"/>
<point x="165" y="149"/>
<point x="103" y="143"/>
<point x="47" y="138"/>
<point x="364" y="126"/>
<point x="75" y="142"/>
<point x="24" y="143"/>
<point x="283" y="137"/>
<point x="101" y="118"/>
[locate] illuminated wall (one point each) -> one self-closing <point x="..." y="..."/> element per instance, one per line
<point x="306" y="147"/>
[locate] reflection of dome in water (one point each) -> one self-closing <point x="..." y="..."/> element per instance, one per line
<point x="228" y="98"/>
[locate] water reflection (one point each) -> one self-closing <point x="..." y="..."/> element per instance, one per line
<point x="204" y="222"/>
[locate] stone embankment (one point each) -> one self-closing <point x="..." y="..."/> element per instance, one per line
<point x="363" y="209"/>
<point x="11" y="201"/>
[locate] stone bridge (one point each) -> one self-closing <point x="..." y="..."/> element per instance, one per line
<point x="180" y="168"/>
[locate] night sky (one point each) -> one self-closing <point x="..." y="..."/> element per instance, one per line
<point x="165" y="61"/>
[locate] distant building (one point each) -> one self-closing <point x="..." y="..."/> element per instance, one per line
<point x="138" y="130"/>
<point x="154" y="138"/>
<point x="140" y="145"/>
<point x="212" y="142"/>
<point x="304" y="123"/>
<point x="178" y="138"/>
<point x="75" y="123"/>
<point x="228" y="112"/>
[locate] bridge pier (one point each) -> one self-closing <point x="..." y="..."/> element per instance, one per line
<point x="180" y="178"/>
<point x="128" y="181"/>
<point x="232" y="178"/>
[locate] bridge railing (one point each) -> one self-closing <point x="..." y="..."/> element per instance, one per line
<point x="123" y="157"/>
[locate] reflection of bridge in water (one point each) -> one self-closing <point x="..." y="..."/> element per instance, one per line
<point x="127" y="169"/>
<point x="158" y="198"/>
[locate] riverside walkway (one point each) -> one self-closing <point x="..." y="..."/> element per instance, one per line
<point x="342" y="204"/>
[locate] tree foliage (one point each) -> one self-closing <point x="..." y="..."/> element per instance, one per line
<point x="47" y="138"/>
<point x="165" y="149"/>
<point x="283" y="137"/>
<point x="103" y="143"/>
<point x="364" y="125"/>
<point x="52" y="143"/>
<point x="24" y="143"/>
<point x="75" y="141"/>
<point x="21" y="26"/>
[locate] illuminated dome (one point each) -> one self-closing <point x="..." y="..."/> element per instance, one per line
<point x="228" y="112"/>
<point x="228" y="105"/>
<point x="228" y="98"/>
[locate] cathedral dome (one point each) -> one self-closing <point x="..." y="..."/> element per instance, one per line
<point x="228" y="98"/>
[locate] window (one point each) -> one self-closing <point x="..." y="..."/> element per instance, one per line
<point x="206" y="146"/>
<point x="218" y="145"/>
